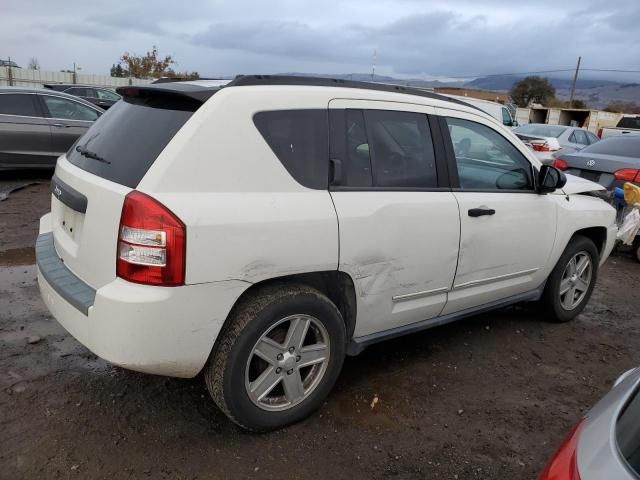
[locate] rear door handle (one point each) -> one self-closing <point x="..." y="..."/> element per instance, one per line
<point x="479" y="212"/>
<point x="61" y="125"/>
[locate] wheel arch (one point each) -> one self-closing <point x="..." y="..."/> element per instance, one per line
<point x="598" y="235"/>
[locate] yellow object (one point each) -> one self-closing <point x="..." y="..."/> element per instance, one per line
<point x="631" y="193"/>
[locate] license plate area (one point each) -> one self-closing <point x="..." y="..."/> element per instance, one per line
<point x="589" y="175"/>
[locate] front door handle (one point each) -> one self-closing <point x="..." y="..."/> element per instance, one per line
<point x="61" y="125"/>
<point x="479" y="212"/>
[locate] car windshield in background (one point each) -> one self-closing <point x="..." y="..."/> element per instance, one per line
<point x="541" y="130"/>
<point x="628" y="433"/>
<point x="620" y="146"/>
<point x="629" y="122"/>
<point x="130" y="136"/>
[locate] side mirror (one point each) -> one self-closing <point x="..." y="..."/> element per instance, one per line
<point x="550" y="179"/>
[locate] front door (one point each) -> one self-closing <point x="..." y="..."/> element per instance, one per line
<point x="398" y="221"/>
<point x="507" y="229"/>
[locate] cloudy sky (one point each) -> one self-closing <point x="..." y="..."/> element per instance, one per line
<point x="412" y="38"/>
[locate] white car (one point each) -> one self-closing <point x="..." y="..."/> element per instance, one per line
<point x="263" y="230"/>
<point x="494" y="109"/>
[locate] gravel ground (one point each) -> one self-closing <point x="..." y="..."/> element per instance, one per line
<point x="489" y="397"/>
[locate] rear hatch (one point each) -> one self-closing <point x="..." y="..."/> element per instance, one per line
<point x="93" y="178"/>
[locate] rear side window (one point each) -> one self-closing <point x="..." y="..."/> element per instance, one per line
<point x="629" y="122"/>
<point x="130" y="136"/>
<point x="68" y="109"/>
<point x="506" y="117"/>
<point x="578" y="136"/>
<point x="18" y="104"/>
<point x="299" y="138"/>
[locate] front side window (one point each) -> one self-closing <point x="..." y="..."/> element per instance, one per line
<point x="68" y="109"/>
<point x="299" y="138"/>
<point x="486" y="160"/>
<point x="18" y="104"/>
<point x="506" y="117"/>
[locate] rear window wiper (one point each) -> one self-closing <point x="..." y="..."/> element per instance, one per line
<point x="89" y="154"/>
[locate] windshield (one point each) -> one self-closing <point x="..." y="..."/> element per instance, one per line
<point x="125" y="141"/>
<point x="621" y="146"/>
<point x="628" y="433"/>
<point x="541" y="130"/>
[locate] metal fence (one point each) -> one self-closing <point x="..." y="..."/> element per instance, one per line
<point x="22" y="77"/>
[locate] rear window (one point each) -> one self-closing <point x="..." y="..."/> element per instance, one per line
<point x="628" y="433"/>
<point x="629" y="122"/>
<point x="130" y="136"/>
<point x="541" y="130"/>
<point x="300" y="140"/>
<point x="622" y="146"/>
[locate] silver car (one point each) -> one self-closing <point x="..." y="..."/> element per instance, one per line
<point x="605" y="444"/>
<point x="611" y="162"/>
<point x="37" y="125"/>
<point x="548" y="140"/>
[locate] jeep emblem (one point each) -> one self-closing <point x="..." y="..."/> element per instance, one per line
<point x="57" y="192"/>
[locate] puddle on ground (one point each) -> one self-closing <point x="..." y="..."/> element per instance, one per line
<point x="17" y="256"/>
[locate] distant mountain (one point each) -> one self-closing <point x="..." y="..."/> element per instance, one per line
<point x="504" y="82"/>
<point x="366" y="77"/>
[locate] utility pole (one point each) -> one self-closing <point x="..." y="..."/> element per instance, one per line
<point x="573" y="85"/>
<point x="10" y="73"/>
<point x="373" y="67"/>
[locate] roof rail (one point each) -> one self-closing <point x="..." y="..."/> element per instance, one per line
<point x="246" y="80"/>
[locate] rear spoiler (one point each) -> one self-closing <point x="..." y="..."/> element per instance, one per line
<point x="192" y="92"/>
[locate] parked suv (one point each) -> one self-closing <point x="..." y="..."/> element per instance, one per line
<point x="262" y="230"/>
<point x="102" y="97"/>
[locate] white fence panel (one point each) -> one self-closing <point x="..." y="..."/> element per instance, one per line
<point x="22" y="77"/>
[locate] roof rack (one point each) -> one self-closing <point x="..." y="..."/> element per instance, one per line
<point x="246" y="80"/>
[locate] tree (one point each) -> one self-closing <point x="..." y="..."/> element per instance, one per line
<point x="33" y="64"/>
<point x="532" y="89"/>
<point x="148" y="65"/>
<point x="118" y="71"/>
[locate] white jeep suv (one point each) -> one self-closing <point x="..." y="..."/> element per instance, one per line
<point x="263" y="230"/>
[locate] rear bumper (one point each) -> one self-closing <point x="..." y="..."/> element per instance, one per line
<point x="161" y="330"/>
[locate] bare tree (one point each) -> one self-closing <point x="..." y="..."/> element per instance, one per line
<point x="33" y="64"/>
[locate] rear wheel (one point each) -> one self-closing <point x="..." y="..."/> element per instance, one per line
<point x="279" y="356"/>
<point x="571" y="282"/>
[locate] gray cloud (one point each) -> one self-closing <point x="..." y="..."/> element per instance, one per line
<point x="411" y="37"/>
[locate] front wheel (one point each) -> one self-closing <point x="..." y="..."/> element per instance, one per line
<point x="279" y="356"/>
<point x="571" y="282"/>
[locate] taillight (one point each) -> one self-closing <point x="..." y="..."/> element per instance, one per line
<point x="627" y="174"/>
<point x="560" y="164"/>
<point x="564" y="463"/>
<point x="541" y="147"/>
<point x="151" y="243"/>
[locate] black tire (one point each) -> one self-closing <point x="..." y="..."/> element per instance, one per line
<point x="250" y="319"/>
<point x="551" y="300"/>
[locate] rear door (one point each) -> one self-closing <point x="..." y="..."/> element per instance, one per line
<point x="25" y="135"/>
<point x="68" y="120"/>
<point x="399" y="223"/>
<point x="507" y="229"/>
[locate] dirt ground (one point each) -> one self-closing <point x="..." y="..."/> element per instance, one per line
<point x="490" y="397"/>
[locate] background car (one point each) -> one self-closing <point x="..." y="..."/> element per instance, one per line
<point x="102" y="97"/>
<point x="606" y="443"/>
<point x="610" y="162"/>
<point x="547" y="140"/>
<point x="37" y="126"/>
